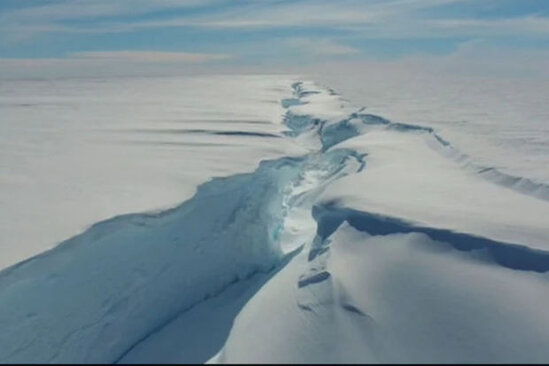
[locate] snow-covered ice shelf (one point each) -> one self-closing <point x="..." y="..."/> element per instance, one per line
<point x="351" y="239"/>
<point x="78" y="151"/>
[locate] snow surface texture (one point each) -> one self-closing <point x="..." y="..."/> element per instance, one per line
<point x="499" y="121"/>
<point x="414" y="260"/>
<point x="370" y="246"/>
<point x="78" y="151"/>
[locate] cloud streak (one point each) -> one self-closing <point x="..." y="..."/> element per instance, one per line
<point x="321" y="47"/>
<point x="259" y="31"/>
<point x="149" y="56"/>
<point x="109" y="63"/>
<point x="370" y="19"/>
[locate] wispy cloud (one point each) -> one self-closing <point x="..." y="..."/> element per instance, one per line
<point x="255" y="14"/>
<point x="532" y="25"/>
<point x="260" y="31"/>
<point x="149" y="56"/>
<point x="86" y="9"/>
<point x="321" y="47"/>
<point x="373" y="18"/>
<point x="54" y="17"/>
<point x="109" y="63"/>
<point x="474" y="58"/>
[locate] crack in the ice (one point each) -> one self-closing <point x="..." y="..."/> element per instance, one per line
<point x="280" y="186"/>
<point x="330" y="216"/>
<point x="162" y="325"/>
<point x="287" y="258"/>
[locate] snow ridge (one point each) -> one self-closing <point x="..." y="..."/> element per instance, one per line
<point x="330" y="216"/>
<point x="358" y="122"/>
<point x="369" y="287"/>
<point x="522" y="185"/>
<point x="96" y="295"/>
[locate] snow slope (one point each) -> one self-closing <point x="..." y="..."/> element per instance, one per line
<point x="415" y="259"/>
<point x="375" y="243"/>
<point x="393" y="298"/>
<point x="499" y="121"/>
<point x="78" y="151"/>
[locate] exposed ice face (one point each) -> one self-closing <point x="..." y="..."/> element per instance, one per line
<point x="435" y="287"/>
<point x="499" y="122"/>
<point x="126" y="278"/>
<point x="95" y="296"/>
<point x="74" y="152"/>
<point x="370" y="246"/>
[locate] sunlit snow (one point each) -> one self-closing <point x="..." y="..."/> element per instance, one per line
<point x="258" y="219"/>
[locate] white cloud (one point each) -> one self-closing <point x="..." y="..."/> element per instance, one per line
<point x="358" y="19"/>
<point x="320" y="47"/>
<point x="475" y="58"/>
<point x="365" y="19"/>
<point x="259" y="14"/>
<point x="531" y="25"/>
<point x="106" y="63"/>
<point x="317" y="13"/>
<point x="82" y="9"/>
<point x="294" y="14"/>
<point x="149" y="56"/>
<point x="28" y="21"/>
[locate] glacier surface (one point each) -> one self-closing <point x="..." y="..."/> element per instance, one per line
<point x="336" y="235"/>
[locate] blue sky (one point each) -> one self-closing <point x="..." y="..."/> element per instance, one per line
<point x="263" y="32"/>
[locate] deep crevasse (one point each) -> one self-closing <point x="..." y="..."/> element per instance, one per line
<point x="95" y="296"/>
<point x="414" y="260"/>
<point x="251" y="243"/>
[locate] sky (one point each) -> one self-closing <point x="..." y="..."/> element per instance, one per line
<point x="56" y="37"/>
